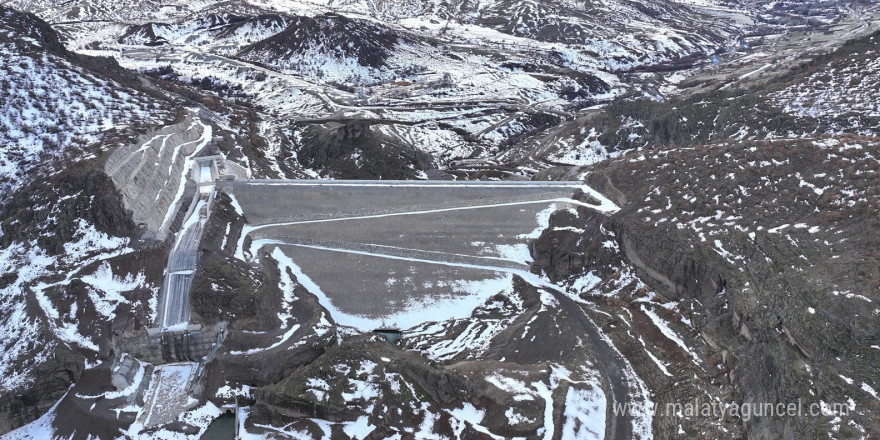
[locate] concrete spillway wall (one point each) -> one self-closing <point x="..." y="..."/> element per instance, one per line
<point x="193" y="344"/>
<point x="151" y="172"/>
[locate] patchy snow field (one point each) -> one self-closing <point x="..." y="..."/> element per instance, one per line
<point x="49" y="106"/>
<point x="27" y="344"/>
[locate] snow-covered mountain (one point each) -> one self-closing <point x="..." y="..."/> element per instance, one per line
<point x="489" y="73"/>
<point x="61" y="220"/>
<point x="696" y="196"/>
<point x="346" y="49"/>
<point x="51" y="104"/>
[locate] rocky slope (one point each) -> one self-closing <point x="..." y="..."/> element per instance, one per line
<point x="742" y="266"/>
<point x="74" y="271"/>
<point x="458" y="81"/>
<point x="758" y="243"/>
<point x="355" y="150"/>
<point x="66" y="238"/>
<point x="772" y="276"/>
<point x="817" y="97"/>
<point x="53" y="103"/>
<point x="345" y="46"/>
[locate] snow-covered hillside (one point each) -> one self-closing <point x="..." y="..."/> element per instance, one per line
<point x="212" y="29"/>
<point x="327" y="46"/>
<point x="723" y="205"/>
<point x="462" y="81"/>
<point x="50" y="106"/>
<point x="59" y="220"/>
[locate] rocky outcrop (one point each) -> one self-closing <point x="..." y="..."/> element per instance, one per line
<point x="340" y="365"/>
<point x="224" y="288"/>
<point x="77" y="193"/>
<point x="443" y="386"/>
<point x="54" y="379"/>
<point x="572" y="243"/>
<point x="334" y="36"/>
<point x="353" y="150"/>
<point x="50" y="213"/>
<point x="35" y="28"/>
<point x="247" y="297"/>
<point x="80" y="415"/>
<point x="755" y="289"/>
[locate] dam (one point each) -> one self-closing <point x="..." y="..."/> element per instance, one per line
<point x="398" y="253"/>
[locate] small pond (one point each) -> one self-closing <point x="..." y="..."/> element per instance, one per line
<point x="222" y="428"/>
<point x="390" y="335"/>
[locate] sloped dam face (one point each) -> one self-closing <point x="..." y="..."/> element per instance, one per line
<point x="394" y="254"/>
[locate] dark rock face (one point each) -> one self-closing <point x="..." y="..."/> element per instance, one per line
<point x="561" y="251"/>
<point x="227" y="290"/>
<point x="218" y="25"/>
<point x="338" y="367"/>
<point x="76" y="412"/>
<point x="232" y="23"/>
<point x="85" y="194"/>
<point x="442" y="386"/>
<point x="29" y="24"/>
<point x="144" y="34"/>
<point x="239" y="295"/>
<point x="224" y="288"/>
<point x="27" y="405"/>
<point x="587" y="86"/>
<point x="352" y="150"/>
<point x="330" y="35"/>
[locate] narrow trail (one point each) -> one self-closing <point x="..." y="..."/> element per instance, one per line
<point x="609" y="364"/>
